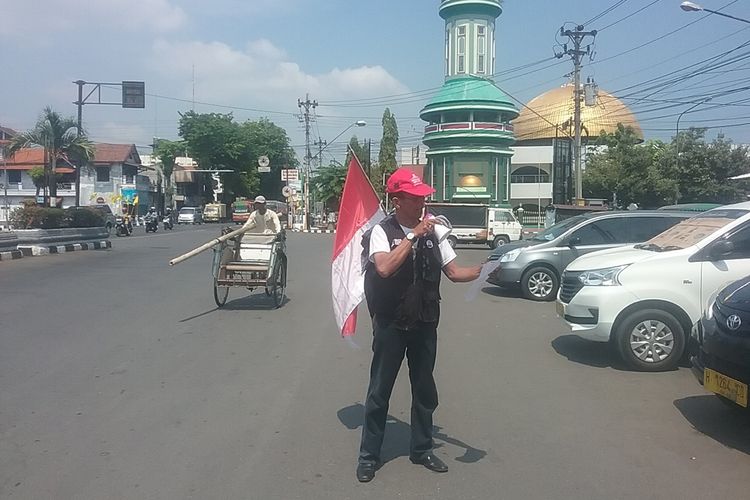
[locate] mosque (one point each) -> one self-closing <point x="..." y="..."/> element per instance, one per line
<point x="481" y="148"/>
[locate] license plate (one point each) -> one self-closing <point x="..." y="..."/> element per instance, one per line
<point x="560" y="309"/>
<point x="732" y="389"/>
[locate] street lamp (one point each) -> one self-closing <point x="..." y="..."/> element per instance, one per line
<point x="677" y="133"/>
<point x="305" y="218"/>
<point x="694" y="7"/>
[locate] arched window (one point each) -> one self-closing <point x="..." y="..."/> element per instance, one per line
<point x="529" y="175"/>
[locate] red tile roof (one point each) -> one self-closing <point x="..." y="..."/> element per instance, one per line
<point x="27" y="158"/>
<point x="116" y="153"/>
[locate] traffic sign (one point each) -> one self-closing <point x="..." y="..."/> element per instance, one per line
<point x="287" y="191"/>
<point x="264" y="170"/>
<point x="133" y="94"/>
<point x="289" y="174"/>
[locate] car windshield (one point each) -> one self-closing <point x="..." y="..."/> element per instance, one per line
<point x="689" y="232"/>
<point x="561" y="227"/>
<point x="188" y="211"/>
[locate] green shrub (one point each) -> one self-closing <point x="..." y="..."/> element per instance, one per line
<point x="83" y="217"/>
<point x="34" y="217"/>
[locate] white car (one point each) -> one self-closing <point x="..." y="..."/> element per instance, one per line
<point x="645" y="298"/>
<point x="190" y="215"/>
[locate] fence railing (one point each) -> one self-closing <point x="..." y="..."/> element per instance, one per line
<point x="530" y="218"/>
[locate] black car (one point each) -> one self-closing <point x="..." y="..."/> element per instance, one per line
<point x="722" y="360"/>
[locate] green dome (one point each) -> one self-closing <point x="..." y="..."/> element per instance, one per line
<point x="469" y="93"/>
<point x="449" y="8"/>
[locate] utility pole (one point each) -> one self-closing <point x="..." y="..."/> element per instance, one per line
<point x="577" y="36"/>
<point x="321" y="145"/>
<point x="79" y="104"/>
<point x="307" y="118"/>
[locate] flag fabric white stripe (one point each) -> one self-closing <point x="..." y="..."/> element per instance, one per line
<point x="348" y="282"/>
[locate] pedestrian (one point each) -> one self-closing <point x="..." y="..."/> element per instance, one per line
<point x="262" y="220"/>
<point x="402" y="288"/>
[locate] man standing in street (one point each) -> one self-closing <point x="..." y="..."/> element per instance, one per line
<point x="263" y="220"/>
<point x="402" y="287"/>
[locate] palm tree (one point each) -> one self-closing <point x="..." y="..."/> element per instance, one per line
<point x="59" y="137"/>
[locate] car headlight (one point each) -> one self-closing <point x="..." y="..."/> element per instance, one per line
<point x="510" y="256"/>
<point x="601" y="277"/>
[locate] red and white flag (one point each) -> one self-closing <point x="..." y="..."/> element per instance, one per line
<point x="359" y="211"/>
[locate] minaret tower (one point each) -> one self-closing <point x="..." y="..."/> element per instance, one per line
<point x="469" y="133"/>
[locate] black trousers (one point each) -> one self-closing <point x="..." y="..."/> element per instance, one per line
<point x="389" y="345"/>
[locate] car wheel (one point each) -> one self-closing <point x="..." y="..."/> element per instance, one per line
<point x="452" y="241"/>
<point x="499" y="241"/>
<point x="540" y="284"/>
<point x="651" y="340"/>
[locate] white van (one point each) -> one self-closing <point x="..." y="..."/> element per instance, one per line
<point x="475" y="223"/>
<point x="645" y="298"/>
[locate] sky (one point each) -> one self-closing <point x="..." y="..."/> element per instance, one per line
<point x="256" y="58"/>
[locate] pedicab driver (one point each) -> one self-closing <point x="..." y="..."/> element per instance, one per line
<point x="262" y="220"/>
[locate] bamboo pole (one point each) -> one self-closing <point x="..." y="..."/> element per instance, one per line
<point x="210" y="244"/>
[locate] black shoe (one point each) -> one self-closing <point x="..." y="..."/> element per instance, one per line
<point x="431" y="462"/>
<point x="365" y="472"/>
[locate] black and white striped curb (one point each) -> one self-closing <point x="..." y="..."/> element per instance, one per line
<point x="33" y="250"/>
<point x="317" y="231"/>
<point x="11" y="255"/>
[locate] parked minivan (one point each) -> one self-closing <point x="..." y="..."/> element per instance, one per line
<point x="646" y="298"/>
<point x="535" y="264"/>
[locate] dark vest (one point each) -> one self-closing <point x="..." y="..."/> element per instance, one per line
<point x="412" y="293"/>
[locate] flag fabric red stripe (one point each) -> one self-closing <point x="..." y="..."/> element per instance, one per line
<point x="359" y="211"/>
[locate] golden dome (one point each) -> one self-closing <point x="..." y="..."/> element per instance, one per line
<point x="556" y="108"/>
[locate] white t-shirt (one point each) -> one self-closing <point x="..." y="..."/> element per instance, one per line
<point x="379" y="243"/>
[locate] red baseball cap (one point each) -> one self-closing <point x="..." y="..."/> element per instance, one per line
<point x="404" y="180"/>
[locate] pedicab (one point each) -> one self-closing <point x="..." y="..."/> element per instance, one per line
<point x="246" y="260"/>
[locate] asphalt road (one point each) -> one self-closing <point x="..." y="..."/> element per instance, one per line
<point x="119" y="379"/>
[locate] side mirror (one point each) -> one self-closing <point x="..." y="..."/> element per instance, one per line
<point x="720" y="249"/>
<point x="575" y="240"/>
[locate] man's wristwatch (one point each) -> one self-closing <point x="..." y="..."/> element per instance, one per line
<point x="410" y="236"/>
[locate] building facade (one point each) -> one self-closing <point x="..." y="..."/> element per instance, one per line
<point x="469" y="130"/>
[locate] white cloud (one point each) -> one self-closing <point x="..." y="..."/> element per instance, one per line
<point x="261" y="74"/>
<point x="43" y="19"/>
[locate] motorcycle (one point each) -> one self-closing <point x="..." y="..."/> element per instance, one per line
<point x="168" y="224"/>
<point x="152" y="223"/>
<point x="123" y="226"/>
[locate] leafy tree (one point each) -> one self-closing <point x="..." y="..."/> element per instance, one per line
<point x="387" y="154"/>
<point x="38" y="176"/>
<point x="167" y="152"/>
<point x="359" y="150"/>
<point x="216" y="141"/>
<point x="328" y="183"/>
<point x="702" y="170"/>
<point x="655" y="173"/>
<point x="58" y="136"/>
<point x="264" y="138"/>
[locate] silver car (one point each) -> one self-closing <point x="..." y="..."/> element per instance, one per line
<point x="536" y="264"/>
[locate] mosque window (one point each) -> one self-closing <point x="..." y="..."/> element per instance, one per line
<point x="461" y="49"/>
<point x="447" y="51"/>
